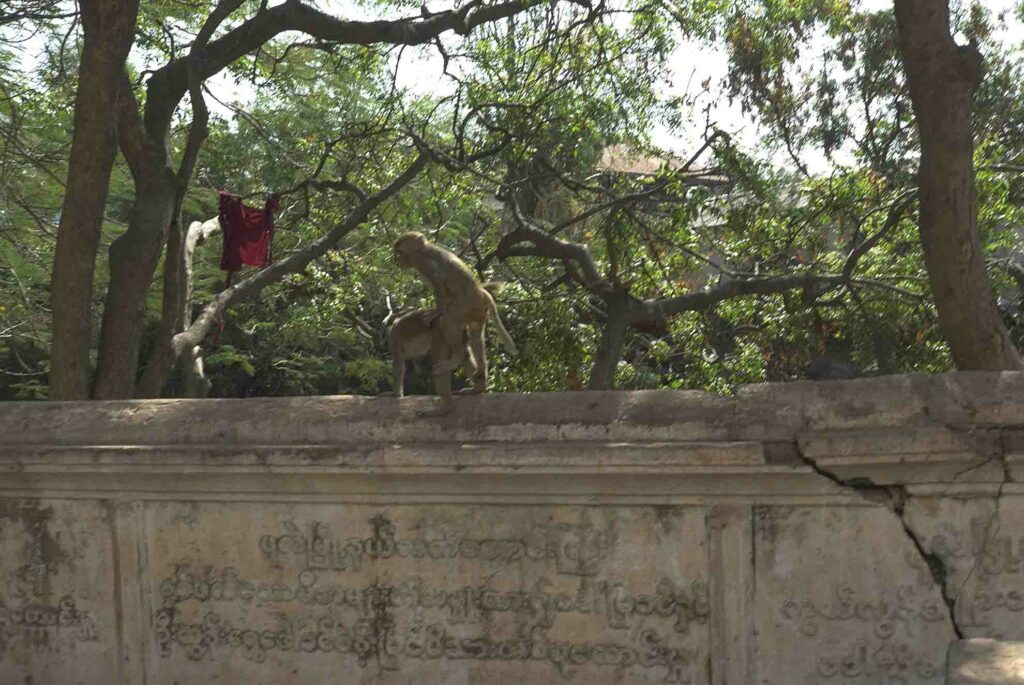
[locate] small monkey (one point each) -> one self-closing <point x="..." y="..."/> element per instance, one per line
<point x="414" y="335"/>
<point x="462" y="303"/>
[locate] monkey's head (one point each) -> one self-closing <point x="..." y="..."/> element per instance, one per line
<point x="406" y="247"/>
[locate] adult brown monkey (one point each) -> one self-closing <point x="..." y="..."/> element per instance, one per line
<point x="462" y="305"/>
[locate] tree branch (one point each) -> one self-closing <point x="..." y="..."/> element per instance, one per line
<point x="217" y="16"/>
<point x="197" y="133"/>
<point x="169" y="83"/>
<point x="770" y="285"/>
<point x="650" y="314"/>
<point x="176" y="310"/>
<point x="892" y="220"/>
<point x="131" y="134"/>
<point x="546" y="245"/>
<point x="295" y="263"/>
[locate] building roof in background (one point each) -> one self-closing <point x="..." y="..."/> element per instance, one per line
<point x="622" y="159"/>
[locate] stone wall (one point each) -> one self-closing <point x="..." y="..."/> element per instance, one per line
<point x="801" y="533"/>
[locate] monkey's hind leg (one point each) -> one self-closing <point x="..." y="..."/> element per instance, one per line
<point x="451" y="329"/>
<point x="398" y="373"/>
<point x="442" y="381"/>
<point x="446" y="366"/>
<point x="443" y="387"/>
<point x="477" y="354"/>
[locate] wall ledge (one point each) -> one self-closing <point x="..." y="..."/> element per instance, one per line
<point x="959" y="430"/>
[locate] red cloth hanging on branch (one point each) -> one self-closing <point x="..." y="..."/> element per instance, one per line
<point x="247" y="231"/>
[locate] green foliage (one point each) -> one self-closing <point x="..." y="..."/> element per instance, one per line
<point x="548" y="92"/>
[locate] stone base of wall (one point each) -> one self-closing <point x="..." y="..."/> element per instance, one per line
<point x="983" y="661"/>
<point x="802" y="533"/>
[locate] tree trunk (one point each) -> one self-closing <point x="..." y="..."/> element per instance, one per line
<point x="109" y="28"/>
<point x="161" y="359"/>
<point x="180" y="245"/>
<point x="613" y="337"/>
<point x="177" y="313"/>
<point x="942" y="78"/>
<point x="133" y="259"/>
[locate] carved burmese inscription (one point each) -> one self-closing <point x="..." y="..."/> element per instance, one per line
<point x="981" y="544"/>
<point x="839" y="601"/>
<point x="461" y="594"/>
<point x="56" y="598"/>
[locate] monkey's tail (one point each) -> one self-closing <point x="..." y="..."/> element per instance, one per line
<point x="506" y="339"/>
<point x="493" y="287"/>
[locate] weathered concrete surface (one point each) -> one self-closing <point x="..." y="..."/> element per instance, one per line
<point x="804" y="533"/>
<point x="981" y="661"/>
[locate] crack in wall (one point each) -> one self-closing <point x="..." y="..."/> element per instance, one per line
<point x="895" y="498"/>
<point x="934" y="562"/>
<point x="993" y="520"/>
